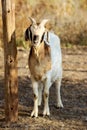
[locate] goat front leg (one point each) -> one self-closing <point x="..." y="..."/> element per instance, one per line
<point x="58" y="86"/>
<point x="46" y="99"/>
<point x="35" y="91"/>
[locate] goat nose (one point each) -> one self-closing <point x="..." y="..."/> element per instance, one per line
<point x="36" y="37"/>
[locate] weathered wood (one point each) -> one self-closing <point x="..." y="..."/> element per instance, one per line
<point x="10" y="61"/>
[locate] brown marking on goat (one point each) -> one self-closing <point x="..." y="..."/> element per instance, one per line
<point x="46" y="95"/>
<point x="39" y="60"/>
<point x="35" y="97"/>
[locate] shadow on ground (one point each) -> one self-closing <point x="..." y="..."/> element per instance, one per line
<point x="72" y="116"/>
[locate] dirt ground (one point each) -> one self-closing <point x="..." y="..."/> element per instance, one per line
<point x="73" y="90"/>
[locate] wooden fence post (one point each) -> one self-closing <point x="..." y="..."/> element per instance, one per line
<point x="10" y="60"/>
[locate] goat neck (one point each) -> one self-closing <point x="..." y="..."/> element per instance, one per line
<point x="38" y="51"/>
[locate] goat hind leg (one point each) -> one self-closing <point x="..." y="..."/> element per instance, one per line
<point x="58" y="86"/>
<point x="46" y="98"/>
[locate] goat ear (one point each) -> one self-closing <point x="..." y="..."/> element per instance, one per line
<point x="43" y="22"/>
<point x="33" y="21"/>
<point x="28" y="34"/>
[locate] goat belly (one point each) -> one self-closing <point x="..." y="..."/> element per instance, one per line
<point x="39" y="68"/>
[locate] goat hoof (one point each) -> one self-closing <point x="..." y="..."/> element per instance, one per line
<point x="60" y="105"/>
<point x="34" y="114"/>
<point x="46" y="114"/>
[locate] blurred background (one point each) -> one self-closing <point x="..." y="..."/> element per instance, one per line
<point x="68" y="19"/>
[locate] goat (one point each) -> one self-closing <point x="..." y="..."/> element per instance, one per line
<point x="45" y="64"/>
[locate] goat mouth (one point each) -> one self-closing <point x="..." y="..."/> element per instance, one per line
<point x="35" y="42"/>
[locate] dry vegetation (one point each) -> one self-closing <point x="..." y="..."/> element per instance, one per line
<point x="68" y="18"/>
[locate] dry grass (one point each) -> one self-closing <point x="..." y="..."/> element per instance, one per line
<point x="67" y="18"/>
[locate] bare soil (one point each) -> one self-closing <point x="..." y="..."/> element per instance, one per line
<point x="73" y="90"/>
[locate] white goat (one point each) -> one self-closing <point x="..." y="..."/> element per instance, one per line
<point x="45" y="64"/>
